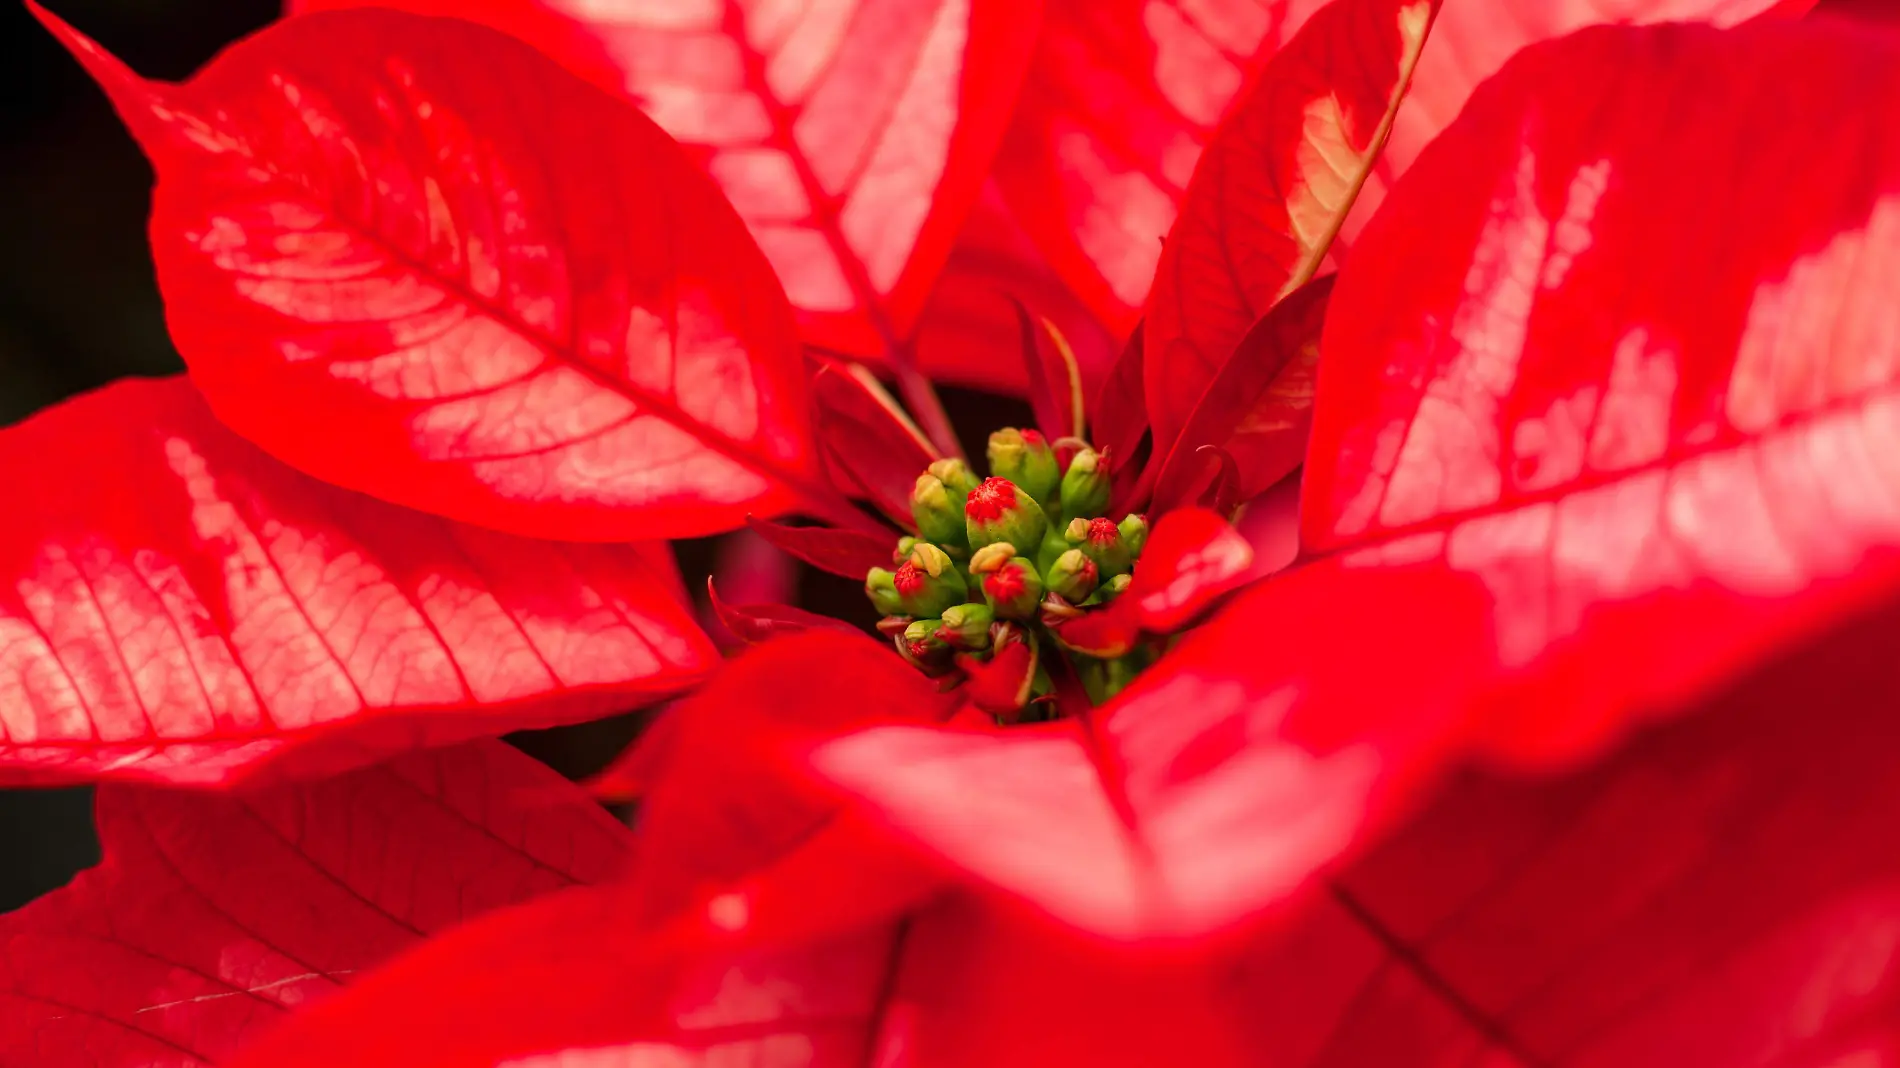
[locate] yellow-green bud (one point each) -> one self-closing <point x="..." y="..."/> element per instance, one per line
<point x="1102" y="541"/>
<point x="1073" y="576"/>
<point x="939" y="518"/>
<point x="967" y="627"/>
<point x="880" y="585"/>
<point x="1012" y="589"/>
<point x="928" y="583"/>
<point x="1134" y="531"/>
<point x="999" y="510"/>
<point x="956" y="477"/>
<point x="920" y="645"/>
<point x="1026" y="458"/>
<point x="1085" y="486"/>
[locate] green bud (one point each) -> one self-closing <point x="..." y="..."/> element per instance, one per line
<point x="999" y="511"/>
<point x="1073" y="576"/>
<point x="1102" y="541"/>
<point x="880" y="586"/>
<point x="1012" y="589"/>
<point x="1053" y="545"/>
<point x="1134" y="531"/>
<point x="920" y="645"/>
<point x="1026" y="458"/>
<point x="938" y="517"/>
<point x="956" y="477"/>
<point x="967" y="627"/>
<point x="1109" y="590"/>
<point x="1085" y="486"/>
<point x="904" y="545"/>
<point x="928" y="583"/>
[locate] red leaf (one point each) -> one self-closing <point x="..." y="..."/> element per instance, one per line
<point x="1120" y="99"/>
<point x="731" y="809"/>
<point x="1055" y="379"/>
<point x="755" y="623"/>
<point x="870" y="438"/>
<point x="846" y="553"/>
<point x="1273" y="188"/>
<point x="1550" y="511"/>
<point x="213" y="916"/>
<point x="528" y="306"/>
<point x="1257" y="408"/>
<point x="179" y="607"/>
<point x="852" y="137"/>
<point x="1121" y="409"/>
<point x="1000" y="685"/>
<point x="1470" y="42"/>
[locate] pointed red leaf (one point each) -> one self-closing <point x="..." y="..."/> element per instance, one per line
<point x="755" y="623"/>
<point x="528" y="306"/>
<point x="1471" y="42"/>
<point x="870" y="438"/>
<point x="1000" y="685"/>
<point x="845" y="553"/>
<point x="214" y="916"/>
<point x="1586" y="447"/>
<point x="1272" y="190"/>
<point x="1055" y="379"/>
<point x="180" y="607"/>
<point x="852" y="137"/>
<point x="1257" y="409"/>
<point x="1120" y="99"/>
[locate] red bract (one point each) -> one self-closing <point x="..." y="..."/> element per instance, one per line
<point x="1566" y="473"/>
<point x="181" y="607"/>
<point x="212" y="917"/>
<point x="528" y="306"/>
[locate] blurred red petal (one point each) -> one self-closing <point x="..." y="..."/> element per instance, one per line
<point x="213" y="917"/>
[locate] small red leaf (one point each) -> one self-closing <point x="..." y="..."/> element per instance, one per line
<point x="1001" y="684"/>
<point x="420" y="258"/>
<point x="755" y="623"/>
<point x="1055" y="380"/>
<point x="845" y="553"/>
<point x="852" y="137"/>
<point x="180" y="607"/>
<point x="1257" y="408"/>
<point x="1121" y="409"/>
<point x="869" y="437"/>
<point x="1271" y="191"/>
<point x="212" y="917"/>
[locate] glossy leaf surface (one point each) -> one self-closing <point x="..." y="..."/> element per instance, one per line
<point x="212" y="917"/>
<point x="852" y="137"/>
<point x="1271" y="191"/>
<point x="1574" y="474"/>
<point x="180" y="607"/>
<point x="531" y="309"/>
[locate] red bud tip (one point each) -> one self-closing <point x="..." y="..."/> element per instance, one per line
<point x="920" y="649"/>
<point x="1004" y="585"/>
<point x="992" y="500"/>
<point x="909" y="580"/>
<point x="1033" y="437"/>
<point x="1103" y="532"/>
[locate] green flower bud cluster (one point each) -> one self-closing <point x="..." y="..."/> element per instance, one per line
<point x="999" y="561"/>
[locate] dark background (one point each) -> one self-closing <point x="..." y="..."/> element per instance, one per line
<point x="78" y="308"/>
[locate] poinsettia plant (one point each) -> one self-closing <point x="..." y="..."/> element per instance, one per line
<point x="1440" y="613"/>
